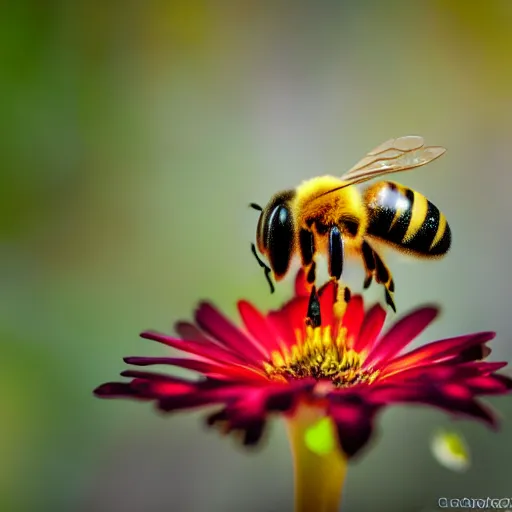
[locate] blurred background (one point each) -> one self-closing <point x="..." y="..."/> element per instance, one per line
<point x="133" y="137"/>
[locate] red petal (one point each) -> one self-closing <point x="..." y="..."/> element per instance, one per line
<point x="215" y="324"/>
<point x="259" y="327"/>
<point x="393" y="393"/>
<point x="453" y="403"/>
<point x="174" y="393"/>
<point x="297" y="310"/>
<point x="290" y="317"/>
<point x="197" y="398"/>
<point x="437" y="351"/>
<point x="204" y="351"/>
<point x="354" y="421"/>
<point x="505" y="380"/>
<point x="146" y="385"/>
<point x="486" y="385"/>
<point x="456" y="391"/>
<point x="220" y="371"/>
<point x="439" y="372"/>
<point x="248" y="412"/>
<point x="471" y="408"/>
<point x="116" y="390"/>
<point x="353" y="318"/>
<point x="280" y="323"/>
<point x="301" y="284"/>
<point x="188" y="331"/>
<point x="370" y="328"/>
<point x="327" y="296"/>
<point x="402" y="333"/>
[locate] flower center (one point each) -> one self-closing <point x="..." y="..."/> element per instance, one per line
<point x="317" y="355"/>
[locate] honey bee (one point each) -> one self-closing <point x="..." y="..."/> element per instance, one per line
<point x="328" y="215"/>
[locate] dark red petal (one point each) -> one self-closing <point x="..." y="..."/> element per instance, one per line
<point x="189" y="331"/>
<point x="138" y="374"/>
<point x="116" y="390"/>
<point x="353" y="318"/>
<point x="259" y="327"/>
<point x="257" y="401"/>
<point x="199" y="394"/>
<point x="251" y="433"/>
<point x="204" y="351"/>
<point x="441" y="372"/>
<point x="475" y="353"/>
<point x="192" y="400"/>
<point x="153" y="384"/>
<point x="246" y="408"/>
<point x="190" y="364"/>
<point x="216" y="417"/>
<point x="247" y="411"/>
<point x="453" y="399"/>
<point x="456" y="391"/>
<point x="484" y="367"/>
<point x="354" y="422"/>
<point x="146" y="385"/>
<point x="220" y="371"/>
<point x="402" y="333"/>
<point x="488" y="385"/>
<point x="438" y="351"/>
<point x="370" y="328"/>
<point x="471" y="408"/>
<point x="387" y="394"/>
<point x="243" y="402"/>
<point x="283" y="398"/>
<point x="505" y="380"/>
<point x="215" y="324"/>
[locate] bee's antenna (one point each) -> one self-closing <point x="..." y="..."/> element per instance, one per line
<point x="256" y="207"/>
<point x="262" y="265"/>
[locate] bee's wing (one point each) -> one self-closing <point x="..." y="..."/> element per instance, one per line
<point x="394" y="155"/>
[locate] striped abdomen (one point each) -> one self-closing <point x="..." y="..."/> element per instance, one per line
<point x="406" y="219"/>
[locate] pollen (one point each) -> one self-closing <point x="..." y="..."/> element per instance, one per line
<point x="316" y="354"/>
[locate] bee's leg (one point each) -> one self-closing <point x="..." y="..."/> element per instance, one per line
<point x="380" y="271"/>
<point x="369" y="263"/>
<point x="336" y="253"/>
<point x="384" y="277"/>
<point x="307" y="253"/>
<point x="314" y="318"/>
<point x="336" y="259"/>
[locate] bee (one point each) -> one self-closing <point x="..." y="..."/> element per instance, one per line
<point x="328" y="215"/>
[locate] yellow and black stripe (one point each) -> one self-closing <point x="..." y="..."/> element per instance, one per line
<point x="406" y="219"/>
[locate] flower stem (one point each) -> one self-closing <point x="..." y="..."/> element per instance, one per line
<point x="319" y="476"/>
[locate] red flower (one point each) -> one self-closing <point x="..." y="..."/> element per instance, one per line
<point x="324" y="351"/>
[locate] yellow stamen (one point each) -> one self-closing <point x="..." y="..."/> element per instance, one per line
<point x="317" y="355"/>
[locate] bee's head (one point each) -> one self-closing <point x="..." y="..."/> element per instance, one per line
<point x="275" y="234"/>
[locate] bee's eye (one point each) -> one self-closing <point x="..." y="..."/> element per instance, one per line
<point x="280" y="239"/>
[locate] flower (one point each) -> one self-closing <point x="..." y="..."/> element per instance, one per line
<point x="343" y="365"/>
<point x="321" y="355"/>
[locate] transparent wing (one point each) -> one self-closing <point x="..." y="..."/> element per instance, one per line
<point x="394" y="155"/>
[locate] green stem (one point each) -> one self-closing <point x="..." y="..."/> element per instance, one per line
<point x="319" y="478"/>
